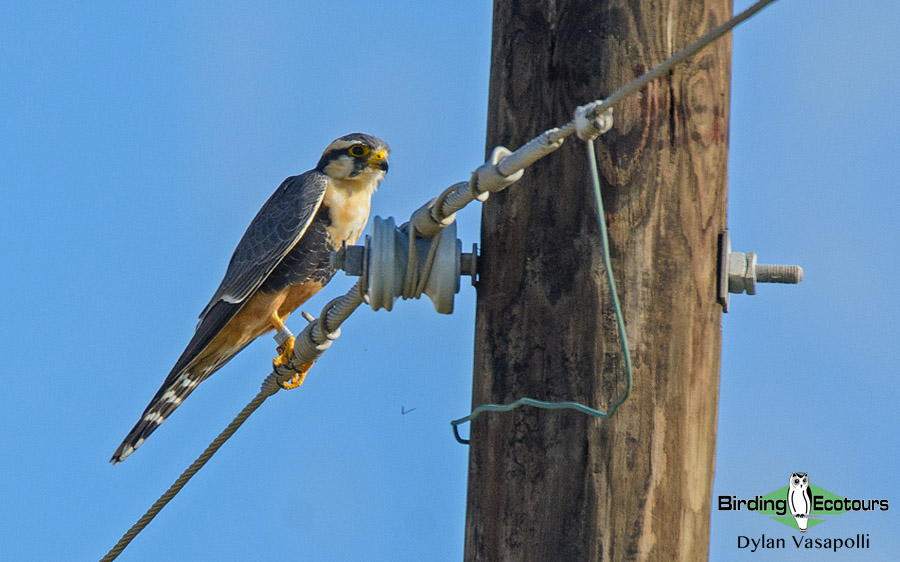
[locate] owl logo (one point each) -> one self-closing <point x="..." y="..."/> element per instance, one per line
<point x="800" y="499"/>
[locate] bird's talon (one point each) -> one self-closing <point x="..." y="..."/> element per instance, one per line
<point x="285" y="353"/>
<point x="356" y="162"/>
<point x="297" y="379"/>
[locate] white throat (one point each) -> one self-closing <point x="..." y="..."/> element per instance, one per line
<point x="349" y="201"/>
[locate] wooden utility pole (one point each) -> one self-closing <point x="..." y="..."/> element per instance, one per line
<point x="559" y="485"/>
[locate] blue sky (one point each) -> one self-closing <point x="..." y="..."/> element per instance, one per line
<point x="136" y="143"/>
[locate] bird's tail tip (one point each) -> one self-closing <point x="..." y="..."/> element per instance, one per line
<point x="123" y="451"/>
<point x="167" y="399"/>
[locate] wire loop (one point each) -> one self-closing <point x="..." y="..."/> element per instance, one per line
<point x="455" y="198"/>
<point x="620" y="325"/>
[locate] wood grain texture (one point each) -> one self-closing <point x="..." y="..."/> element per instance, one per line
<point x="559" y="485"/>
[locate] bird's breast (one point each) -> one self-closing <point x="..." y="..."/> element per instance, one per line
<point x="348" y="212"/>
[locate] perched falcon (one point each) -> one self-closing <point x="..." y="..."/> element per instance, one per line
<point x="281" y="261"/>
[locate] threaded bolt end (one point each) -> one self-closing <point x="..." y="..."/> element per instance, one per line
<point x="789" y="274"/>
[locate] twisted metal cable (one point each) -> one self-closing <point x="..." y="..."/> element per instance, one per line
<point x="552" y="139"/>
<point x="318" y="331"/>
<point x="452" y="200"/>
<point x="620" y="325"/>
<point x="269" y="387"/>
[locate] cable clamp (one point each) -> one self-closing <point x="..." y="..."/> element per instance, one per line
<point x="589" y="124"/>
<point x="424" y="221"/>
<point x="322" y="323"/>
<point x="488" y="178"/>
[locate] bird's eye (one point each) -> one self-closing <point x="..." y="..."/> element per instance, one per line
<point x="358" y="150"/>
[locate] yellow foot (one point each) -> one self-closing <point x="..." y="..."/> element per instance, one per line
<point x="297" y="379"/>
<point x="285" y="353"/>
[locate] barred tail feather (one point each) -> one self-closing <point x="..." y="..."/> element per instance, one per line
<point x="162" y="405"/>
<point x="202" y="357"/>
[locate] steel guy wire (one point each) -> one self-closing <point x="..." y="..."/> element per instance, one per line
<point x="340" y="309"/>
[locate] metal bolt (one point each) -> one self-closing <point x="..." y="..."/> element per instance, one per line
<point x="739" y="272"/>
<point x="350" y="260"/>
<point x="336" y="258"/>
<point x="779" y="273"/>
<point x="468" y="263"/>
<point x="744" y="273"/>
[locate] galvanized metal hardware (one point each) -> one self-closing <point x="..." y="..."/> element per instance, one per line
<point x="384" y="259"/>
<point x="739" y="272"/>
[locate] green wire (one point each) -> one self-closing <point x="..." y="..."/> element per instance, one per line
<point x="613" y="98"/>
<point x="620" y="324"/>
<point x="607" y="264"/>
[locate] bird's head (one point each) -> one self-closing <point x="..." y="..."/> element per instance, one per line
<point x="799" y="479"/>
<point x="356" y="157"/>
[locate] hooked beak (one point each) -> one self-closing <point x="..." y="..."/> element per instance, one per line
<point x="379" y="160"/>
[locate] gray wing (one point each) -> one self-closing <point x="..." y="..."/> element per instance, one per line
<point x="277" y="227"/>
